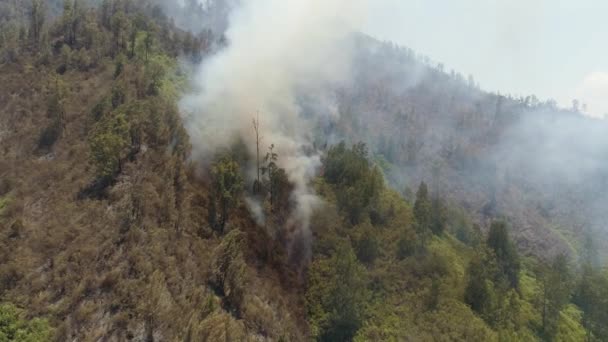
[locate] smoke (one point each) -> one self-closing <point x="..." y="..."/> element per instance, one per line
<point x="197" y="16"/>
<point x="276" y="51"/>
<point x="540" y="167"/>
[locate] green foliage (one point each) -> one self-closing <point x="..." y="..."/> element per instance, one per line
<point x="160" y="78"/>
<point x="109" y="145"/>
<point x="119" y="24"/>
<point x="366" y="282"/>
<point x="337" y="296"/>
<point x="366" y="243"/>
<point x="493" y="278"/>
<point x="155" y="71"/>
<point x="438" y="218"/>
<point x="423" y="213"/>
<point x="14" y="327"/>
<point x="227" y="185"/>
<point x="405" y="247"/>
<point x="345" y="166"/>
<point x="507" y="258"/>
<point x="275" y="182"/>
<point x="591" y="295"/>
<point x="430" y="214"/>
<point x="480" y="291"/>
<point x="569" y="327"/>
<point x="358" y="184"/>
<point x="556" y="282"/>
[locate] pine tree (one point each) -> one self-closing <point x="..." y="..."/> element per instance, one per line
<point x="422" y="212"/>
<point x="556" y="282"/>
<point x="506" y="254"/>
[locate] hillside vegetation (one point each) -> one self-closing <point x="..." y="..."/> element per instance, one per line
<point x="110" y="231"/>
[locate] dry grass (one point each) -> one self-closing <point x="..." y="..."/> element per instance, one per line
<point x="134" y="264"/>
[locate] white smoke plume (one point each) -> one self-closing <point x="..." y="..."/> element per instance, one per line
<point x="276" y="49"/>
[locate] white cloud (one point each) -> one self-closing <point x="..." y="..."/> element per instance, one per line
<point x="593" y="91"/>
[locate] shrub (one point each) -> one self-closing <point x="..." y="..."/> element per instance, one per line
<point x="15" y="328"/>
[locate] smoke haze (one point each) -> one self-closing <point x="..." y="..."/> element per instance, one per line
<point x="275" y="50"/>
<point x="297" y="64"/>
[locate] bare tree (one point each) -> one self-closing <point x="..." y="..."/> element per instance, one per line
<point x="256" y="127"/>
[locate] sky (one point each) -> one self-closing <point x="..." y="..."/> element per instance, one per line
<point x="554" y="49"/>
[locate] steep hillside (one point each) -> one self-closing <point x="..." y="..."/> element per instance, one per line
<point x="115" y="226"/>
<point x="536" y="165"/>
<point x="104" y="220"/>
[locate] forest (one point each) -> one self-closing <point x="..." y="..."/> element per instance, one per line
<point x="416" y="212"/>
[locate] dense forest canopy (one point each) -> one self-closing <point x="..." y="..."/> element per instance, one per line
<point x="186" y="171"/>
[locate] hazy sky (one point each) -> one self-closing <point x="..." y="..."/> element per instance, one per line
<point x="551" y="48"/>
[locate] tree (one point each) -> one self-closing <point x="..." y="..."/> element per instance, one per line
<point x="271" y="169"/>
<point x="422" y="211"/>
<point x="367" y="244"/>
<point x="276" y="182"/>
<point x="358" y="185"/>
<point x="227" y="184"/>
<point x="591" y="295"/>
<point x="480" y="292"/>
<point x="55" y="112"/>
<point x="109" y="145"/>
<point x="107" y="11"/>
<point x="37" y="16"/>
<point x="336" y="296"/>
<point x="507" y="258"/>
<point x="438" y="216"/>
<point x="257" y="185"/>
<point x="148" y="44"/>
<point x="120" y="26"/>
<point x="119" y="96"/>
<point x="71" y="20"/>
<point x="139" y="23"/>
<point x="556" y="282"/>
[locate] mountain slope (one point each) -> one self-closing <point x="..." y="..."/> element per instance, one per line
<point x="110" y="230"/>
